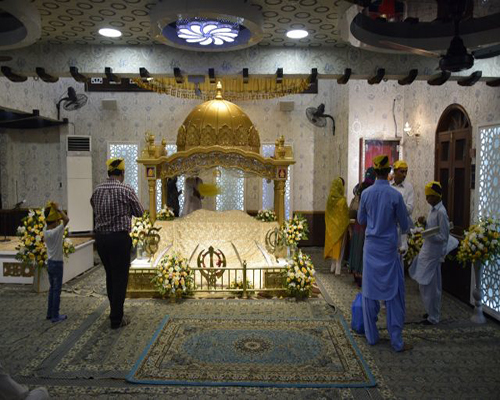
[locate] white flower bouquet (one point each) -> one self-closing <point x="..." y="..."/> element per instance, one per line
<point x="140" y="227"/>
<point x="294" y="230"/>
<point x="481" y="242"/>
<point x="173" y="277"/>
<point x="415" y="241"/>
<point x="165" y="214"/>
<point x="299" y="275"/>
<point x="32" y="248"/>
<point x="266" y="216"/>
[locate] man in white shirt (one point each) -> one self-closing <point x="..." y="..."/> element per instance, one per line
<point x="406" y="189"/>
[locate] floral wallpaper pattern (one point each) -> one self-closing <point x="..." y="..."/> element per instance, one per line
<point x="359" y="109"/>
<point x="160" y="59"/>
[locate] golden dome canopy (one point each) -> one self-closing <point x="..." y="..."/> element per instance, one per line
<point x="218" y="122"/>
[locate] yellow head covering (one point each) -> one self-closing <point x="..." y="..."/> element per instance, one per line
<point x="400" y="164"/>
<point x="115" y="164"/>
<point x="208" y="189"/>
<point x="433" y="189"/>
<point x="53" y="213"/>
<point x="381" y="162"/>
<point x="336" y="218"/>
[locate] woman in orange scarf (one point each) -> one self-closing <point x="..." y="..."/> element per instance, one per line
<point x="336" y="223"/>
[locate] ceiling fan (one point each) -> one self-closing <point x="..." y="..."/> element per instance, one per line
<point x="457" y="57"/>
<point x="72" y="101"/>
<point x="318" y="117"/>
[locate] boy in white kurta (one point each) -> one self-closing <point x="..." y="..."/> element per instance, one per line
<point x="426" y="268"/>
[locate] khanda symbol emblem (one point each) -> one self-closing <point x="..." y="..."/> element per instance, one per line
<point x="151" y="241"/>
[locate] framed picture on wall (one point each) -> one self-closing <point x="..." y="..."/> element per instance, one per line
<point x="369" y="149"/>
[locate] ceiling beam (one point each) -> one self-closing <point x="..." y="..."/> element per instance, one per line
<point x="44" y="76"/>
<point x="108" y="71"/>
<point x="439" y="79"/>
<point x="377" y="78"/>
<point x="77" y="76"/>
<point x="11" y="76"/>
<point x="470" y="80"/>
<point x="493" y="83"/>
<point x="263" y="60"/>
<point x="211" y="75"/>
<point x="178" y="75"/>
<point x="408" y="79"/>
<point x="345" y="78"/>
<point x="279" y="75"/>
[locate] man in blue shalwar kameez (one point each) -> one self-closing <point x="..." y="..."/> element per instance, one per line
<point x="382" y="208"/>
<point x="426" y="267"/>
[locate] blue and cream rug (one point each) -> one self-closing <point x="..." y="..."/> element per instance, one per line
<point x="252" y="352"/>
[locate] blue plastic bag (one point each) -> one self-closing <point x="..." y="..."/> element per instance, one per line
<point x="357" y="324"/>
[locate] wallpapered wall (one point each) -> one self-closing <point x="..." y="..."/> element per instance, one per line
<point x="370" y="117"/>
<point x="36" y="159"/>
<point x="319" y="155"/>
<point x="424" y="105"/>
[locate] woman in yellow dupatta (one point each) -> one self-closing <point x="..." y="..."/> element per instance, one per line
<point x="336" y="223"/>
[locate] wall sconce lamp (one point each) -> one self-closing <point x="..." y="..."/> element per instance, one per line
<point x="412" y="132"/>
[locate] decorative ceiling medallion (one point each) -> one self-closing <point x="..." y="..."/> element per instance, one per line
<point x="205" y="25"/>
<point x="20" y="24"/>
<point x="207" y="32"/>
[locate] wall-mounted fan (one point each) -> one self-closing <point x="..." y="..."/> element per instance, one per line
<point x="71" y="102"/>
<point x="457" y="57"/>
<point x="318" y="117"/>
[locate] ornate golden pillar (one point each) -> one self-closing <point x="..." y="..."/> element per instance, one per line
<point x="280" y="180"/>
<point x="152" y="199"/>
<point x="164" y="193"/>
<point x="279" y="200"/>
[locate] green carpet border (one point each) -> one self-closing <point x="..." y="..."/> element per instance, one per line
<point x="130" y="377"/>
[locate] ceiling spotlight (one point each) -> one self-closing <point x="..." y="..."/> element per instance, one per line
<point x="297" y="34"/>
<point x="108" y="32"/>
<point x="207" y="32"/>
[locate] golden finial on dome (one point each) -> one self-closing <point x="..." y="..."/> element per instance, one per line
<point x="219" y="91"/>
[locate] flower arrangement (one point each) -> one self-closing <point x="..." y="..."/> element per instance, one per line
<point x="415" y="241"/>
<point x="165" y="214"/>
<point x="238" y="284"/>
<point x="32" y="249"/>
<point x="173" y="276"/>
<point x="140" y="226"/>
<point x="266" y="216"/>
<point x="299" y="275"/>
<point x="294" y="230"/>
<point x="481" y="242"/>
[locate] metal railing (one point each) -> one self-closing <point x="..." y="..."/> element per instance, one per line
<point x="227" y="279"/>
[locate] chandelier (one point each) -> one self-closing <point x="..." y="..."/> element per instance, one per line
<point x="206" y="25"/>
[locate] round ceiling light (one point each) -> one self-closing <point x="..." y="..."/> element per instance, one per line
<point x="297" y="34"/>
<point x="109" y="32"/>
<point x="207" y="32"/>
<point x="206" y="25"/>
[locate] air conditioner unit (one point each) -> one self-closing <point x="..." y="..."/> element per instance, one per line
<point x="79" y="184"/>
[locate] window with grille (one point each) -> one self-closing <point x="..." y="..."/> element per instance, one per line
<point x="130" y="153"/>
<point x="232" y="184"/>
<point x="489" y="206"/>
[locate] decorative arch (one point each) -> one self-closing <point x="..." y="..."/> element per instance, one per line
<point x="159" y="165"/>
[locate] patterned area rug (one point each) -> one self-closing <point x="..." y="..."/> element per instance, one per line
<point x="239" y="352"/>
